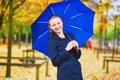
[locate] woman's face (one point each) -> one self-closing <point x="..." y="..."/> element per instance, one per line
<point x="56" y="25"/>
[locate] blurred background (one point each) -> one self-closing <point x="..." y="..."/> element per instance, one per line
<point x="24" y="12"/>
<point x="16" y="17"/>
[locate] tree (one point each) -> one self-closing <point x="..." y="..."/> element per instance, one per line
<point x="13" y="5"/>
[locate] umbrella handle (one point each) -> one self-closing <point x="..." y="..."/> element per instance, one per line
<point x="77" y="49"/>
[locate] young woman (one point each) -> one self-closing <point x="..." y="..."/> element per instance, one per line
<point x="64" y="51"/>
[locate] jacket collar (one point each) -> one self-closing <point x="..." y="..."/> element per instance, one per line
<point x="55" y="36"/>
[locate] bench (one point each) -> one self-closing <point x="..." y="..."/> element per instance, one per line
<point x="104" y="51"/>
<point x="26" y="65"/>
<point x="26" y="57"/>
<point x="107" y="59"/>
<point x="29" y="56"/>
<point x="28" y="60"/>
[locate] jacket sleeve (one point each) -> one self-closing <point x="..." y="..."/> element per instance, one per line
<point x="55" y="57"/>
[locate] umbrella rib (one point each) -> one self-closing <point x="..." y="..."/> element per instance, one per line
<point x="67" y="8"/>
<point x="73" y="16"/>
<point x="76" y="27"/>
<point x="73" y="26"/>
<point x="43" y="34"/>
<point x="76" y="15"/>
<point x="43" y="22"/>
<point x="52" y="10"/>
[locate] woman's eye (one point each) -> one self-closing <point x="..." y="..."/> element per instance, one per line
<point x="59" y="23"/>
<point x="53" y="25"/>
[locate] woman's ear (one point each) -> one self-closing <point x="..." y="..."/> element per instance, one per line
<point x="49" y="26"/>
<point x="50" y="30"/>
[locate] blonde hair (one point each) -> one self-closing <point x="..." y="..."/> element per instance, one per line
<point x="52" y="17"/>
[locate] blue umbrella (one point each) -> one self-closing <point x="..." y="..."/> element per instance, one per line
<point x="77" y="19"/>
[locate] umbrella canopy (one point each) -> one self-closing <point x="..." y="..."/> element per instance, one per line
<point x="77" y="19"/>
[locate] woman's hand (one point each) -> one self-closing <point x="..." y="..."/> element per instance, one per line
<point x="72" y="44"/>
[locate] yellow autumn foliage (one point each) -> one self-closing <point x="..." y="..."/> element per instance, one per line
<point x="98" y="26"/>
<point x="31" y="9"/>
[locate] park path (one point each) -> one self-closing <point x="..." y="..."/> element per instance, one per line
<point x="91" y="67"/>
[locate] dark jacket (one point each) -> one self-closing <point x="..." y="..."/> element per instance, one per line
<point x="68" y="66"/>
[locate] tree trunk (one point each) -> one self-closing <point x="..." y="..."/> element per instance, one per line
<point x="26" y="38"/>
<point x="19" y="39"/>
<point x="100" y="38"/>
<point x="1" y="19"/>
<point x="8" y="70"/>
<point x="114" y="41"/>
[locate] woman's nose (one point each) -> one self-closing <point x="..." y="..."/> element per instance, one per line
<point x="57" y="25"/>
